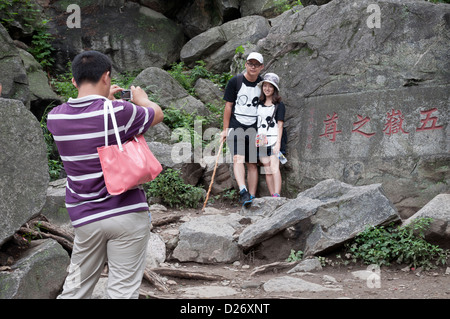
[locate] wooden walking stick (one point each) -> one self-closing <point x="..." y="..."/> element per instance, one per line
<point x="214" y="174"/>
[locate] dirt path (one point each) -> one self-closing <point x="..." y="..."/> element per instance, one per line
<point x="338" y="281"/>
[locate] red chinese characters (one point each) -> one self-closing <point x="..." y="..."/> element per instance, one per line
<point x="359" y="124"/>
<point x="427" y="119"/>
<point x="394" y="124"/>
<point x="331" y="127"/>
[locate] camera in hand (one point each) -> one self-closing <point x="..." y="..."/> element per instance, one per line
<point x="126" y="95"/>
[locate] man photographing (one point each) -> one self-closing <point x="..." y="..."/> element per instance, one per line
<point x="239" y="125"/>
<point x="107" y="228"/>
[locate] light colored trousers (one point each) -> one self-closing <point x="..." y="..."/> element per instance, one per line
<point x="120" y="240"/>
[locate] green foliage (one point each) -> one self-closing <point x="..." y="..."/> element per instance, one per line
<point x="62" y="84"/>
<point x="295" y="256"/>
<point x="284" y="5"/>
<point x="54" y="160"/>
<point x="41" y="47"/>
<point x="440" y="1"/>
<point x="187" y="77"/>
<point x="403" y="245"/>
<point x="28" y="15"/>
<point x="170" y="187"/>
<point x="240" y="49"/>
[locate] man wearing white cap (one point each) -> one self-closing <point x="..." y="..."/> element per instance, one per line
<point x="239" y="124"/>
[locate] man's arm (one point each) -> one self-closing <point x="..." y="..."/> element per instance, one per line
<point x="141" y="98"/>
<point x="226" y="119"/>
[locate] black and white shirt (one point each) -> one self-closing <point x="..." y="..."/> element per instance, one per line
<point x="246" y="101"/>
<point x="268" y="121"/>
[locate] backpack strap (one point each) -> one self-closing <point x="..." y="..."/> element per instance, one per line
<point x="239" y="80"/>
<point x="273" y="115"/>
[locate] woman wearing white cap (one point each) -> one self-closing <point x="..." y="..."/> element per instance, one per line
<point x="270" y="131"/>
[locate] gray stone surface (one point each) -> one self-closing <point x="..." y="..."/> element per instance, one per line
<point x="39" y="274"/>
<point x="23" y="167"/>
<point x="331" y="62"/>
<point x="209" y="239"/>
<point x="327" y="215"/>
<point x="439" y="210"/>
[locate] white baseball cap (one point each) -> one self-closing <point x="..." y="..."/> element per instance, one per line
<point x="256" y="56"/>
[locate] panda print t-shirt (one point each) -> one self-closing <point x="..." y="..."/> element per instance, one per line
<point x="268" y="121"/>
<point x="246" y="102"/>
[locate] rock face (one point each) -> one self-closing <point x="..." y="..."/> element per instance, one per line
<point x="324" y="216"/>
<point x="23" y="167"/>
<point x="365" y="104"/>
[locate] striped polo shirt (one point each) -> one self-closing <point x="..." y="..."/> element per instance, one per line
<point x="78" y="129"/>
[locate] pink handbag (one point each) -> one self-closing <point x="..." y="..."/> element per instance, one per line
<point x="126" y="166"/>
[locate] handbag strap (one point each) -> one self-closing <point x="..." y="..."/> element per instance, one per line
<point x="108" y="106"/>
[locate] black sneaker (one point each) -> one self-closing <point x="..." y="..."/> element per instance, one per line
<point x="245" y="198"/>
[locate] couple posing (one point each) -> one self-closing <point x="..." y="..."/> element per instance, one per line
<point x="253" y="127"/>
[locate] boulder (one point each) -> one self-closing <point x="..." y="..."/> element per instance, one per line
<point x="265" y="8"/>
<point x="38" y="274"/>
<point x="208" y="92"/>
<point x="223" y="180"/>
<point x="263" y="206"/>
<point x="156" y="251"/>
<point x="439" y="210"/>
<point x="13" y="75"/>
<point x="209" y="239"/>
<point x="54" y="209"/>
<point x="218" y="45"/>
<point x="364" y="104"/>
<point x="159" y="133"/>
<point x="23" y="167"/>
<point x="41" y="94"/>
<point x="167" y="92"/>
<point x="134" y="36"/>
<point x="326" y="216"/>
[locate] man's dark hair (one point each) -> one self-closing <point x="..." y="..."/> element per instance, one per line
<point x="89" y="66"/>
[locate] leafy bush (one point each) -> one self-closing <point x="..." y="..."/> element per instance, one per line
<point x="403" y="245"/>
<point x="170" y="187"/>
<point x="295" y="256"/>
<point x="187" y="77"/>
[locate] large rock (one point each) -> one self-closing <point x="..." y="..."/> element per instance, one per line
<point x="41" y="94"/>
<point x="134" y="36"/>
<point x="38" y="274"/>
<point x="54" y="209"/>
<point x="13" y="75"/>
<point x="366" y="105"/>
<point x="209" y="239"/>
<point x="23" y="167"/>
<point x="326" y="216"/>
<point x="168" y="92"/>
<point x="218" y="45"/>
<point x="439" y="210"/>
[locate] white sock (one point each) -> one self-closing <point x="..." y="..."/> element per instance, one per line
<point x="242" y="187"/>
